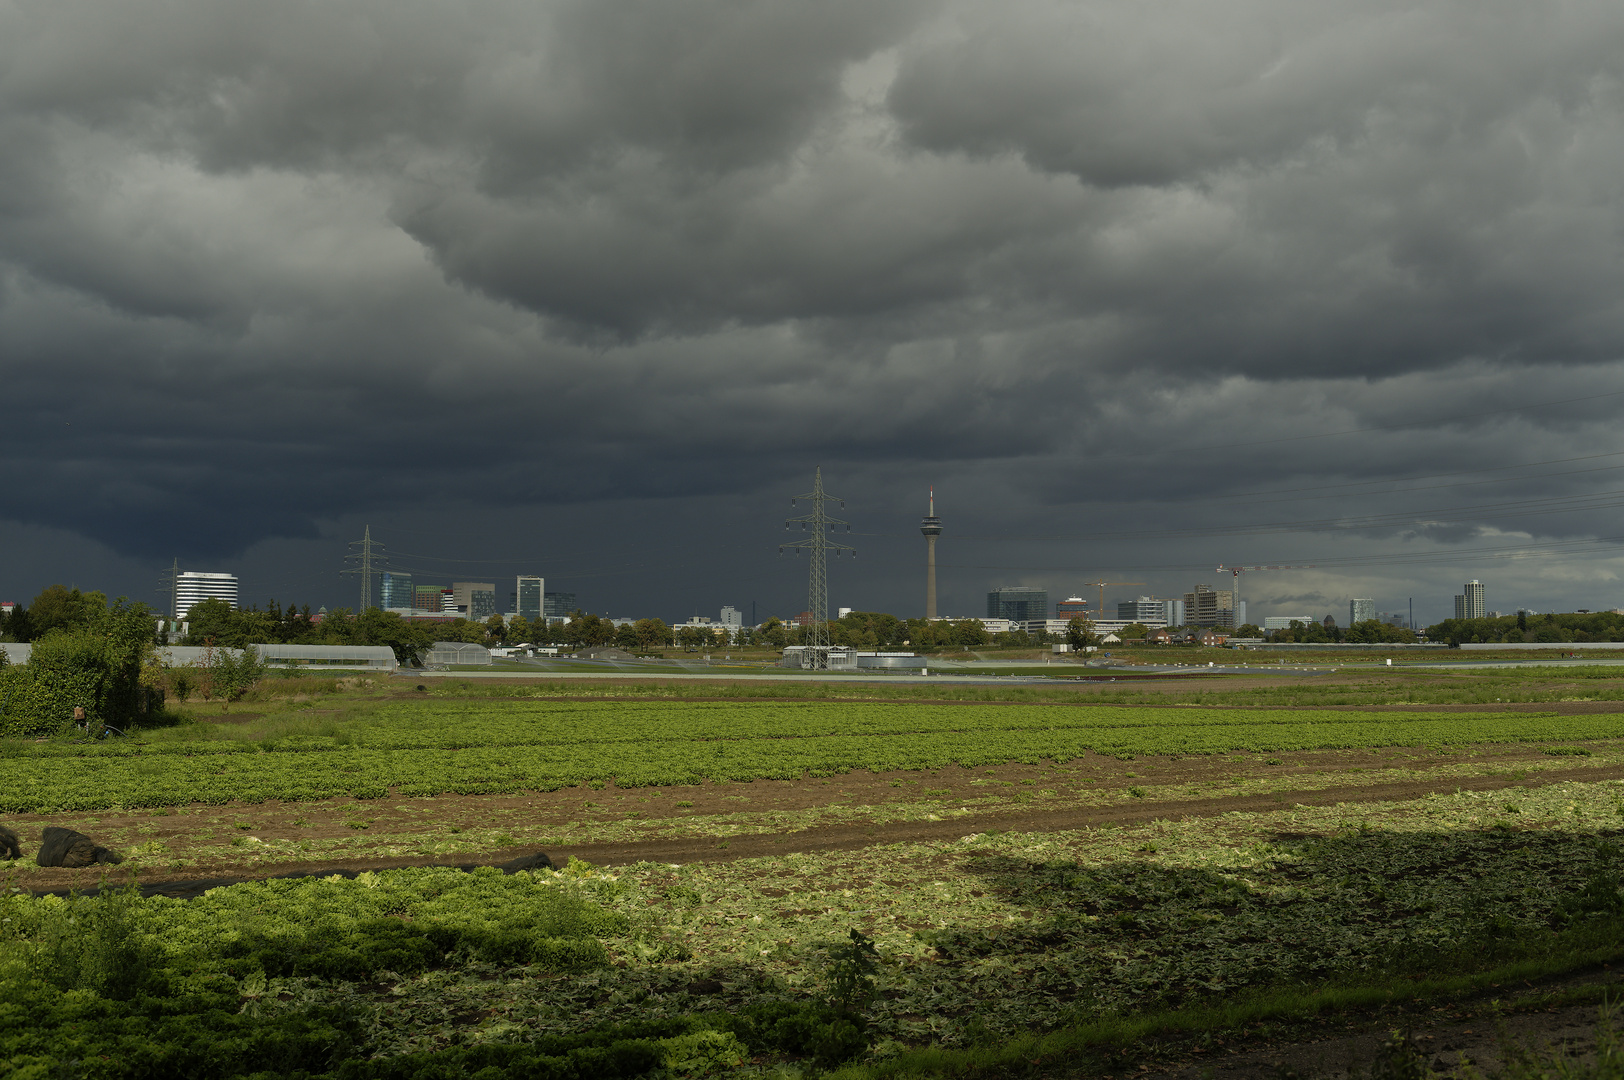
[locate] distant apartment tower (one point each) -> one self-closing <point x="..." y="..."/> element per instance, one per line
<point x="448" y="602"/>
<point x="558" y="605"/>
<point x="192" y="587"/>
<point x="1071" y="607"/>
<point x="1020" y="603"/>
<point x="427" y="598"/>
<point x="1361" y="611"/>
<point x="397" y="591"/>
<point x="1469" y="605"/>
<point x="1207" y="606"/>
<point x="529" y="595"/>
<point x="1151" y="609"/>
<point x="733" y="619"/>
<point x="474" y="599"/>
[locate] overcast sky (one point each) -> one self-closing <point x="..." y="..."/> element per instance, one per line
<point x="589" y="289"/>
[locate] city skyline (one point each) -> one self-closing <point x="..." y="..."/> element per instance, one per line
<point x="583" y="290"/>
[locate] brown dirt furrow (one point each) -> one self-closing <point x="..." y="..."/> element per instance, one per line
<point x="847" y="837"/>
<point x="851" y="837"/>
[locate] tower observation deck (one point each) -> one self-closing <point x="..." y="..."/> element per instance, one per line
<point x="931" y="526"/>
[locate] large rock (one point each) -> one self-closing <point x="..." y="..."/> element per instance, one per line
<point x="9" y="844"/>
<point x="64" y="847"/>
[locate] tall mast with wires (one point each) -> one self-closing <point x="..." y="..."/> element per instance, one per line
<point x="369" y="559"/>
<point x="819" y="525"/>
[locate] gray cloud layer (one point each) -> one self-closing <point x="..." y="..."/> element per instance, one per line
<point x="269" y="271"/>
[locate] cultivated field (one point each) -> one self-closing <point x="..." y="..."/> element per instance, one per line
<point x="1233" y="876"/>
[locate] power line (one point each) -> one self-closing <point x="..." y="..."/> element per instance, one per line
<point x="819" y="524"/>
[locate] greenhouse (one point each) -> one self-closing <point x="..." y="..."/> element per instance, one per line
<point x="461" y="653"/>
<point x="361" y="657"/>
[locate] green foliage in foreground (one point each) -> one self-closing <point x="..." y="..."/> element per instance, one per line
<point x="428" y="748"/>
<point x="105" y="664"/>
<point x="220" y="986"/>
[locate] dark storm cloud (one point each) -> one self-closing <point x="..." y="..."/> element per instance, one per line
<point x="1108" y="270"/>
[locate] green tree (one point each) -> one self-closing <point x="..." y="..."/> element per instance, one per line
<point x="774" y="632"/>
<point x="651" y="634"/>
<point x="58" y="608"/>
<point x="1133" y="631"/>
<point x="588" y="631"/>
<point x="1080" y="633"/>
<point x="1248" y="630"/>
<point x="108" y="666"/>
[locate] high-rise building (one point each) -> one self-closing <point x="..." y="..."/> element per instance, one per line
<point x="474" y="599"/>
<point x="1360" y="610"/>
<point x="1071" y="607"/>
<point x="732" y="618"/>
<point x="528" y="597"/>
<point x="558" y="605"/>
<point x="192" y="587"/>
<point x="1152" y="609"/>
<point x="931" y="526"/>
<point x="1021" y="603"/>
<point x="1469" y="605"/>
<point x="427" y="598"/>
<point x="397" y="591"/>
<point x="1207" y="606"/>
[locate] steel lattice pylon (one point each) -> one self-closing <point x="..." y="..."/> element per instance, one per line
<point x="370" y="560"/>
<point x="819" y="524"/>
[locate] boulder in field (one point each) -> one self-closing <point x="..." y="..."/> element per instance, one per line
<point x="64" y="847"/>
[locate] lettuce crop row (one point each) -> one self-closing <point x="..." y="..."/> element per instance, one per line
<point x="503" y="747"/>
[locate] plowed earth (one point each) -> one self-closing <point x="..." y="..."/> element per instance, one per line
<point x="1129" y="789"/>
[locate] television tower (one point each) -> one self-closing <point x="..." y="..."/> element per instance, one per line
<point x="819" y="545"/>
<point x="932" y="528"/>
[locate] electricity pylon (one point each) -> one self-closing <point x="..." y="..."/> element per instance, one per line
<point x="367" y="564"/>
<point x="819" y="524"/>
<point x="172" y="587"/>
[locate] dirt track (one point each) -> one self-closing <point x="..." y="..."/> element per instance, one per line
<point x="845" y="837"/>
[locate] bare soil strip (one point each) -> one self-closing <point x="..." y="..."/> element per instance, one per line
<point x="835" y="837"/>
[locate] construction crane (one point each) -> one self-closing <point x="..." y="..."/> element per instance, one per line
<point x="1103" y="584"/>
<point x="1236" y="571"/>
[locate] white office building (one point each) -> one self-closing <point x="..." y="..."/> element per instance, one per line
<point x="192" y="587"/>
<point x="732" y="619"/>
<point x="1470" y="605"/>
<point x="1360" y="610"/>
<point x="1283" y="622"/>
